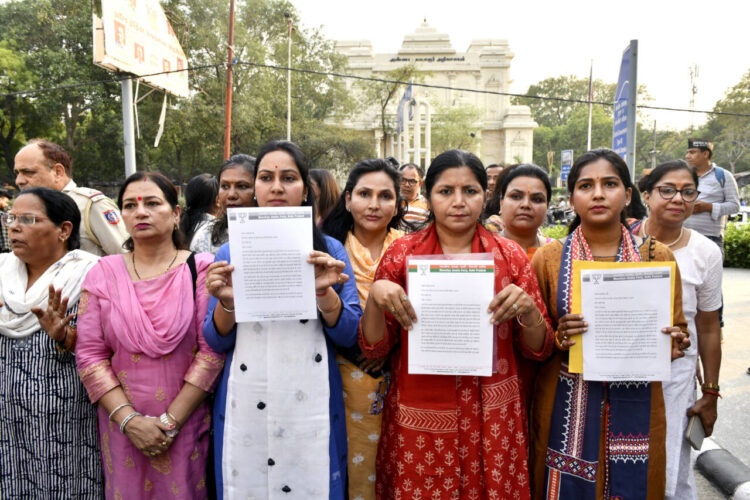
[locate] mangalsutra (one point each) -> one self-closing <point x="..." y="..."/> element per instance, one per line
<point x="132" y="255"/>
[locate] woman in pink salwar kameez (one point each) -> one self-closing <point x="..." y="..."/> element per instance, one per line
<point x="142" y="355"/>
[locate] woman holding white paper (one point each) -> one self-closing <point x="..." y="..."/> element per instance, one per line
<point x="446" y="434"/>
<point x="365" y="220"/>
<point x="670" y="192"/>
<point x="570" y="416"/>
<point x="279" y="411"/>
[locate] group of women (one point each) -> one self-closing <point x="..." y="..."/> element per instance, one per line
<point x="327" y="407"/>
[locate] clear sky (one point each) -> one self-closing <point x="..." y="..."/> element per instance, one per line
<point x="552" y="38"/>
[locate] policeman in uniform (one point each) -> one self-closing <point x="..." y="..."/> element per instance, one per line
<point x="44" y="164"/>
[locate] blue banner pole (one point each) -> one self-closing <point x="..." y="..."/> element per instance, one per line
<point x="633" y="91"/>
<point x="624" y="117"/>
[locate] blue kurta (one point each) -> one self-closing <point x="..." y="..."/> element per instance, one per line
<point x="344" y="334"/>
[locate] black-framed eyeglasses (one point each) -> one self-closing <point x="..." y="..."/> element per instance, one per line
<point x="410" y="182"/>
<point x="687" y="194"/>
<point x="23" y="219"/>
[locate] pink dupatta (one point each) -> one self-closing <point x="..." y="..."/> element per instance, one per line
<point x="141" y="325"/>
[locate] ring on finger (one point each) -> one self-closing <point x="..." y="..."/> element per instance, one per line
<point x="405" y="298"/>
<point x="62" y="322"/>
<point x="515" y="307"/>
<point x="393" y="310"/>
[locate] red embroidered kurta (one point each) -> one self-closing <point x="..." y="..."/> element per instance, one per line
<point x="447" y="437"/>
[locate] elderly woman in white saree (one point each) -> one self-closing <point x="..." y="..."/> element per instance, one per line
<point x="48" y="440"/>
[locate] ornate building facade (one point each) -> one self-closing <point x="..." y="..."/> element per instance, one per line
<point x="505" y="132"/>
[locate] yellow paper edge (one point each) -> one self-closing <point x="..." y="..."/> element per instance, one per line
<point x="575" y="360"/>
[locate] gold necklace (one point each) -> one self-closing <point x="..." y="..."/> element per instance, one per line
<point x="132" y="255"/>
<point x="682" y="230"/>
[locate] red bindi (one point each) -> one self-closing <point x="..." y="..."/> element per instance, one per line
<point x="140" y="198"/>
<point x="275" y="166"/>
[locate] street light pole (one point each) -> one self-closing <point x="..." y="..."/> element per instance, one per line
<point x="289" y="77"/>
<point x="228" y="104"/>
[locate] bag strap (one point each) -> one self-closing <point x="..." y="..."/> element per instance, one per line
<point x="720" y="178"/>
<point x="193" y="271"/>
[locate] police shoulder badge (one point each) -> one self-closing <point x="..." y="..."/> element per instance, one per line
<point x="112" y="217"/>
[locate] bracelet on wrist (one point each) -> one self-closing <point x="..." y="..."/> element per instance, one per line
<point x="226" y="309"/>
<point x="559" y="345"/>
<point x="173" y="419"/>
<point x="538" y="323"/>
<point x="333" y="309"/>
<point x="167" y="419"/>
<point x="118" y="408"/>
<point x="711" y="392"/>
<point x="711" y="386"/>
<point x="128" y="419"/>
<point x="60" y="344"/>
<point x="325" y="292"/>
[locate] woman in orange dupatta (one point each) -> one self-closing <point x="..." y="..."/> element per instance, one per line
<point x="455" y="436"/>
<point x="365" y="219"/>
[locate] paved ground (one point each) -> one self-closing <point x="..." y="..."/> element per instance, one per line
<point x="732" y="430"/>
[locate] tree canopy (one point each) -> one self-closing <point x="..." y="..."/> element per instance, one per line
<point x="49" y="44"/>
<point x="563" y="124"/>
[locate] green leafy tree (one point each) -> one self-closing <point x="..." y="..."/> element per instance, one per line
<point x="553" y="113"/>
<point x="18" y="117"/>
<point x="453" y="126"/>
<point x="731" y="134"/>
<point x="56" y="43"/>
<point x="55" y="37"/>
<point x="573" y="135"/>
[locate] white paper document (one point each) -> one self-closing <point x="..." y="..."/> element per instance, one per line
<point x="626" y="310"/>
<point x="453" y="334"/>
<point x="272" y="279"/>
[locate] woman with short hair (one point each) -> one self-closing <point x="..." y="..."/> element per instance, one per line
<point x="48" y="441"/>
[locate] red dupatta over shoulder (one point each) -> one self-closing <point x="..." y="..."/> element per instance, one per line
<point x="456" y="437"/>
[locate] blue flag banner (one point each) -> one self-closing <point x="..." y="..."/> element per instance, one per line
<point x="405" y="99"/>
<point x="620" y="126"/>
<point x="623" y="128"/>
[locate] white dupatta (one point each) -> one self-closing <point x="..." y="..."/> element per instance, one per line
<point x="16" y="319"/>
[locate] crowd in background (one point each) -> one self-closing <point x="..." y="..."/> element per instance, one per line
<point x="123" y="373"/>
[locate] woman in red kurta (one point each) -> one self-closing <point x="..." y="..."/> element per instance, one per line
<point x="455" y="436"/>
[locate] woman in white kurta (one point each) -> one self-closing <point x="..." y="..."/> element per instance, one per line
<point x="670" y="191"/>
<point x="279" y="412"/>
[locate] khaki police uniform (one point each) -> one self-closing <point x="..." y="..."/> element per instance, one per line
<point x="102" y="229"/>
